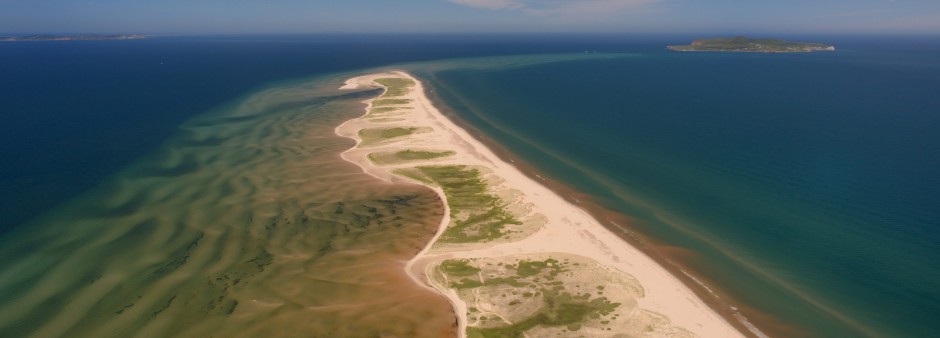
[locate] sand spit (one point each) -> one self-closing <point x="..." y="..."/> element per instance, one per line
<point x="507" y="244"/>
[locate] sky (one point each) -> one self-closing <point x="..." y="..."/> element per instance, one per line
<point x="317" y="16"/>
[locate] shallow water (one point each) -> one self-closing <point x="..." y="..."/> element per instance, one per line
<point x="246" y="223"/>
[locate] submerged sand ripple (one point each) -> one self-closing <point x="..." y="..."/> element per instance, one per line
<point x="246" y="224"/>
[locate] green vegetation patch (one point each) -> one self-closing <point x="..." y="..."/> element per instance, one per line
<point x="476" y="215"/>
<point x="459" y="267"/>
<point x="372" y="136"/>
<point x="467" y="283"/>
<point x="380" y="110"/>
<point x="531" y="268"/>
<point x="524" y="297"/>
<point x="412" y="155"/>
<point x="386" y="120"/>
<point x="383" y="112"/>
<point x="407" y="155"/>
<point x="395" y="86"/>
<point x="414" y="174"/>
<point x="560" y="308"/>
<point x="388" y="102"/>
<point x="511" y="281"/>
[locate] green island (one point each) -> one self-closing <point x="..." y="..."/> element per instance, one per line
<point x="744" y="44"/>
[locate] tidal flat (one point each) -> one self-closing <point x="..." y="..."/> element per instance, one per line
<point x="245" y="224"/>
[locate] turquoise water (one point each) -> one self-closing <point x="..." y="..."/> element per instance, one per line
<point x="804" y="185"/>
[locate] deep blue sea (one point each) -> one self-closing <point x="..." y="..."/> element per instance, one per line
<point x="805" y="185"/>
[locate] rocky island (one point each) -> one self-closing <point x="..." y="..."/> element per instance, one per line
<point x="744" y="44"/>
<point x="72" y="37"/>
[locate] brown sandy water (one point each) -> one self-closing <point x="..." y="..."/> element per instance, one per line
<point x="246" y="224"/>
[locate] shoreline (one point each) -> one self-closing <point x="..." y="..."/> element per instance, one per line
<point x="748" y="321"/>
<point x="570" y="228"/>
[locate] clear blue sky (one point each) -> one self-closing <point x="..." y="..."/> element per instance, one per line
<point x="311" y="16"/>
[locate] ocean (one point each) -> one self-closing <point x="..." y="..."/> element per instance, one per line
<point x="800" y="186"/>
<point x="803" y="185"/>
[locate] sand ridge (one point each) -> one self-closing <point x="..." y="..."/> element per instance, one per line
<point x="550" y="225"/>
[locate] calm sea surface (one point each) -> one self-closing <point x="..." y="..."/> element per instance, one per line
<point x="803" y="186"/>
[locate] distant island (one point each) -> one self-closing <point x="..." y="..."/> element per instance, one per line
<point x="72" y="37"/>
<point x="744" y="44"/>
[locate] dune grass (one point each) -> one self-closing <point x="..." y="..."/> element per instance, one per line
<point x="395" y="86"/>
<point x="381" y="111"/>
<point x="558" y="306"/>
<point x="407" y="155"/>
<point x="414" y="174"/>
<point x="386" y="120"/>
<point x="371" y="136"/>
<point x="476" y="214"/>
<point x="459" y="267"/>
<point x="388" y="102"/>
<point x="411" y="155"/>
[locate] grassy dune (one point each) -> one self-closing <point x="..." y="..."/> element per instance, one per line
<point x="395" y="86"/>
<point x="408" y="155"/>
<point x="477" y="215"/>
<point x="511" y="297"/>
<point x="389" y="102"/>
<point x="373" y="136"/>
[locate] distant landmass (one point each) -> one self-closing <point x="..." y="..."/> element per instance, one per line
<point x="744" y="44"/>
<point x="72" y="37"/>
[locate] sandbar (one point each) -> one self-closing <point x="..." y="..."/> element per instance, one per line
<point x="536" y="226"/>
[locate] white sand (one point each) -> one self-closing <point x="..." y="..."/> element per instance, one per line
<point x="568" y="229"/>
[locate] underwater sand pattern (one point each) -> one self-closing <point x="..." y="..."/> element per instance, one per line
<point x="246" y="224"/>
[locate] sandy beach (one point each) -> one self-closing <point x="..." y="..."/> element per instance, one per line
<point x="547" y="225"/>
